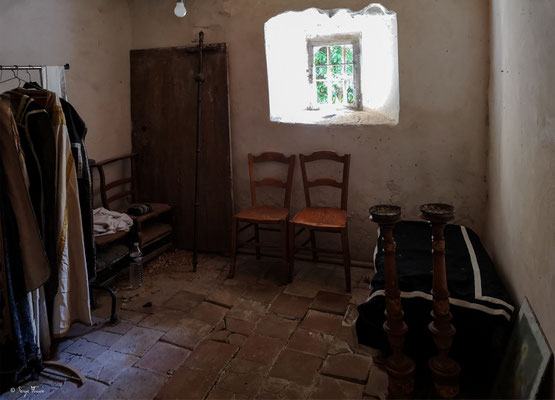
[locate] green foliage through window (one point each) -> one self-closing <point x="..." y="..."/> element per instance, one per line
<point x="333" y="70"/>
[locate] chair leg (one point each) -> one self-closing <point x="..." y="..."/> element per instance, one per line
<point x="313" y="245"/>
<point x="257" y="238"/>
<point x="234" y="227"/>
<point x="284" y="253"/>
<point x="346" y="258"/>
<point x="291" y="251"/>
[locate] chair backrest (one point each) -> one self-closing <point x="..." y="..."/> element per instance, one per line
<point x="272" y="157"/>
<point x="331" y="156"/>
<point x="127" y="186"/>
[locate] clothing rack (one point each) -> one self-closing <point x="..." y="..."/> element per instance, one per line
<point x="26" y="67"/>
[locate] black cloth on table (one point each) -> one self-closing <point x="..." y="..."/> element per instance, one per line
<point x="480" y="305"/>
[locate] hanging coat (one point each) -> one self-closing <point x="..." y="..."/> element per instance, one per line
<point x="71" y="303"/>
<point x="34" y="261"/>
<point x="77" y="131"/>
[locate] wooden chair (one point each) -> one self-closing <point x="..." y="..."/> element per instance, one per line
<point x="153" y="229"/>
<point x="323" y="219"/>
<point x="261" y="214"/>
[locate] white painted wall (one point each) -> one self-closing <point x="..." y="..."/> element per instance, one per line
<point x="94" y="37"/>
<point x="436" y="153"/>
<point x="521" y="212"/>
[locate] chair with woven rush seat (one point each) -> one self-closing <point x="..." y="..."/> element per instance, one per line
<point x="154" y="227"/>
<point x="265" y="214"/>
<point x="323" y="219"/>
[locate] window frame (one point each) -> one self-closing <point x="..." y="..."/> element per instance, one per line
<point x="335" y="40"/>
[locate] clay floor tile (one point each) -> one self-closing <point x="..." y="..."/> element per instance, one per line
<point x="296" y="367"/>
<point x="313" y="343"/>
<point x="248" y="384"/>
<point x="135" y="383"/>
<point x="164" y="320"/>
<point x="261" y="349"/>
<point x="290" y="306"/>
<point x="184" y="301"/>
<point x="351" y="367"/>
<point x="274" y="326"/>
<point x="239" y="326"/>
<point x="137" y="341"/>
<point x="210" y="356"/>
<point x="276" y="388"/>
<point x="208" y="312"/>
<point x="188" y="333"/>
<point x="163" y="358"/>
<point x="334" y="303"/>
<point x="321" y="322"/>
<point x="332" y="389"/>
<point x="187" y="384"/>
<point x="247" y="310"/>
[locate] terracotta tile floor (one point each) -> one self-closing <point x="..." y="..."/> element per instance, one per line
<point x="201" y="335"/>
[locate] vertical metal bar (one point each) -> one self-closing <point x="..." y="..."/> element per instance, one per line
<point x="199" y="78"/>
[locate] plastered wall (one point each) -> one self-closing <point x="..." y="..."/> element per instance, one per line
<point x="521" y="212"/>
<point x="94" y="37"/>
<point x="436" y="153"/>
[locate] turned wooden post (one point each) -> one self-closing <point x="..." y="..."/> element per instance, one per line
<point x="445" y="370"/>
<point x="399" y="366"/>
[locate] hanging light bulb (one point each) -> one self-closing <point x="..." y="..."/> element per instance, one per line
<point x="180" y="10"/>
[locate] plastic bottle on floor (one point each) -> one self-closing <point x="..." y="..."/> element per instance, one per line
<point x="136" y="267"/>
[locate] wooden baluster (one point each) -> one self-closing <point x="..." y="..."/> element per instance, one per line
<point x="445" y="370"/>
<point x="399" y="366"/>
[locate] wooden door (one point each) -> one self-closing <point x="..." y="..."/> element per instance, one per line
<point x="163" y="113"/>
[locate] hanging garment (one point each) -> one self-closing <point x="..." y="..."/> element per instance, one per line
<point x="32" y="119"/>
<point x="20" y="356"/>
<point x="71" y="303"/>
<point x="107" y="222"/>
<point x="77" y="131"/>
<point x="34" y="261"/>
<point x="67" y="292"/>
